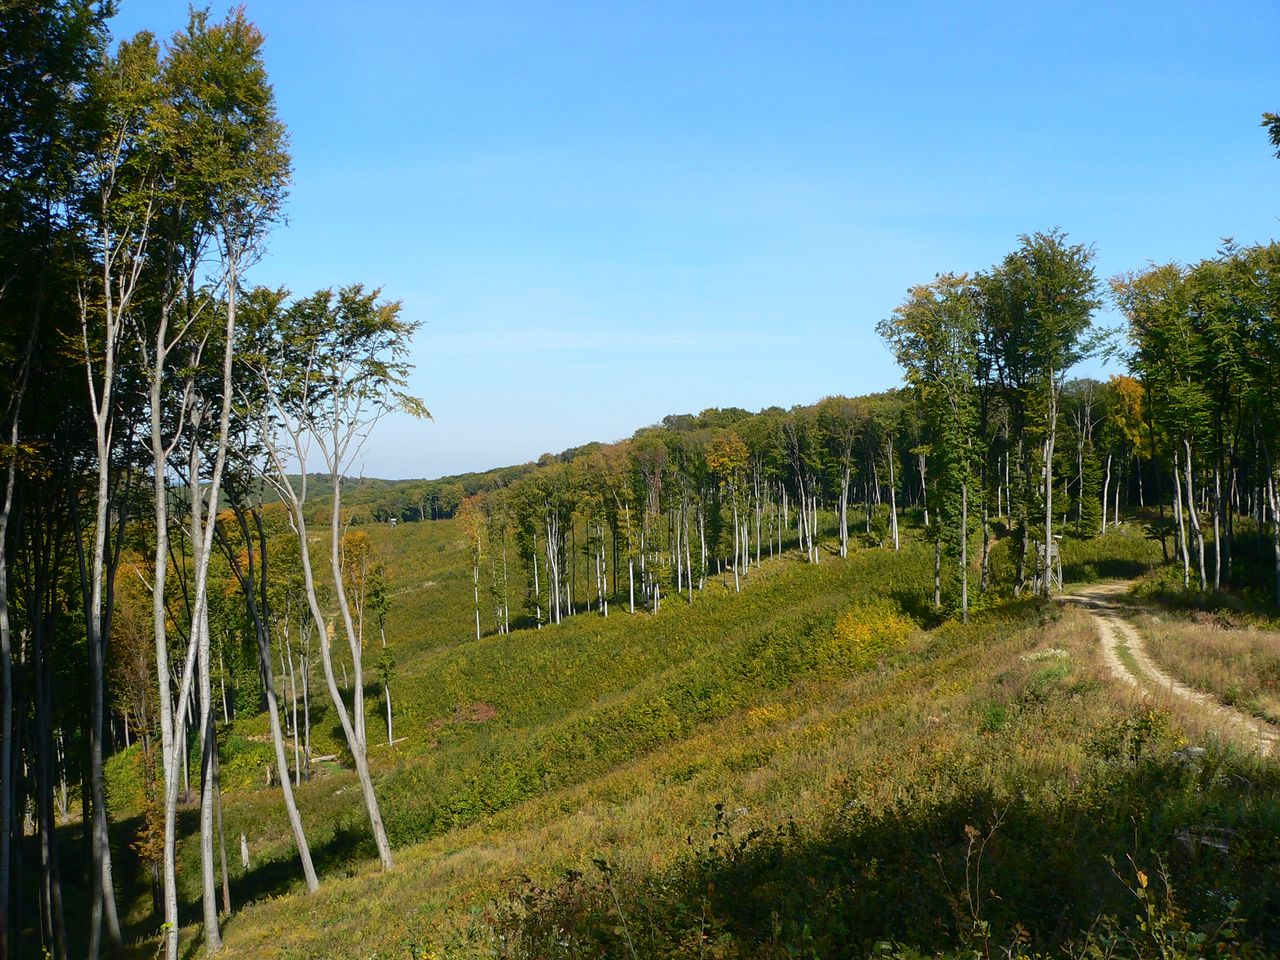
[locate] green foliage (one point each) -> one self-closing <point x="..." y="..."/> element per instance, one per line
<point x="244" y="761"/>
<point x="662" y="678"/>
<point x="1122" y="553"/>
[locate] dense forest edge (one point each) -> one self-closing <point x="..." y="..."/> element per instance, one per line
<point x="784" y="683"/>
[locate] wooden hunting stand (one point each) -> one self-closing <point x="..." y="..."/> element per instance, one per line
<point x="1049" y="564"/>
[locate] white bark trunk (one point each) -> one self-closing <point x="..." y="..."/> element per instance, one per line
<point x="1106" y="488"/>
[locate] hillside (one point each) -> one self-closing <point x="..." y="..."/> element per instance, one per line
<point x="815" y="765"/>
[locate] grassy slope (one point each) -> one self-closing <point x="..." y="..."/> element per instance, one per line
<point x="615" y="738"/>
<point x="570" y="702"/>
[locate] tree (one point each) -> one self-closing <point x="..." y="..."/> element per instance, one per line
<point x="122" y="187"/>
<point x="1168" y="358"/>
<point x="1037" y="309"/>
<point x="727" y="459"/>
<point x="1271" y="122"/>
<point x="328" y="368"/>
<point x="252" y="576"/>
<point x="934" y="337"/>
<point x="842" y="422"/>
<point x="220" y="171"/>
<point x="471" y="520"/>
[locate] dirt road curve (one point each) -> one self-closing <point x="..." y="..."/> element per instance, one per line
<point x="1123" y="651"/>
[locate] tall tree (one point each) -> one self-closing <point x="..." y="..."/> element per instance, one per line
<point x="330" y="367"/>
<point x="934" y="336"/>
<point x="1037" y="308"/>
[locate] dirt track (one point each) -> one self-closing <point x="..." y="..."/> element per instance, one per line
<point x="1121" y="642"/>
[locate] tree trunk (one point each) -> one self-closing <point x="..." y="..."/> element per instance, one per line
<point x="50" y="874"/>
<point x="985" y="574"/>
<point x="537" y="590"/>
<point x="924" y="486"/>
<point x="813" y="530"/>
<point x="475" y="580"/>
<point x="1115" y="518"/>
<point x="964" y="552"/>
<point x="1217" y="528"/>
<point x="737" y="552"/>
<point x="1275" y="529"/>
<point x="1049" y="443"/>
<point x="1193" y="514"/>
<point x="688" y="554"/>
<point x="893" y="499"/>
<point x="386" y="695"/>
<point x="844" y="512"/>
<point x="1106" y="486"/>
<point x="1177" y="518"/>
<point x="258" y="616"/>
<point x="208" y="747"/>
<point x="359" y="756"/>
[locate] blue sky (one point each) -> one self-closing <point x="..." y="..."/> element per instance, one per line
<point x="603" y="213"/>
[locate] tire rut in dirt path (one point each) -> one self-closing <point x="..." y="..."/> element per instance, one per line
<point x="1126" y="657"/>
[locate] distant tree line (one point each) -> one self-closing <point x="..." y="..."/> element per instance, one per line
<point x="991" y="445"/>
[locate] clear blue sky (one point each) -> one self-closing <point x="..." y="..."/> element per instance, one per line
<point x="603" y="213"/>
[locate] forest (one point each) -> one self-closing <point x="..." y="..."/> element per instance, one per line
<point x="185" y="549"/>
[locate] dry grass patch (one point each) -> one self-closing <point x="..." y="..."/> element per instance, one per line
<point x="1238" y="665"/>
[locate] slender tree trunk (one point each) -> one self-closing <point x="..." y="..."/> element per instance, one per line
<point x="924" y="486"/>
<point x="964" y="552"/>
<point x="359" y="756"/>
<point x="537" y="590"/>
<point x="1275" y="529"/>
<point x="1106" y="486"/>
<point x="844" y="512"/>
<point x="1115" y="518"/>
<point x="475" y="580"/>
<point x="1193" y="514"/>
<point x="258" y="616"/>
<point x="702" y="549"/>
<point x="985" y="574"/>
<point x="813" y="530"/>
<point x="1217" y="528"/>
<point x="1177" y="518"/>
<point x="937" y="572"/>
<point x="756" y="490"/>
<point x="50" y="874"/>
<point x="291" y="710"/>
<point x="386" y="695"/>
<point x="893" y="499"/>
<point x="209" y="744"/>
<point x="737" y="553"/>
<point x="1049" y="443"/>
<point x="688" y="555"/>
<point x="222" y="837"/>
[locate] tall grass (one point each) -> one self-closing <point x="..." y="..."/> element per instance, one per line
<point x="1238" y="665"/>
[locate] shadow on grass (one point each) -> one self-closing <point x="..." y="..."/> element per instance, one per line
<point x="349" y="846"/>
<point x="1109" y="568"/>
<point x="1035" y="869"/>
<point x="918" y="606"/>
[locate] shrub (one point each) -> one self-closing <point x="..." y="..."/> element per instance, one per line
<point x="867" y="632"/>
